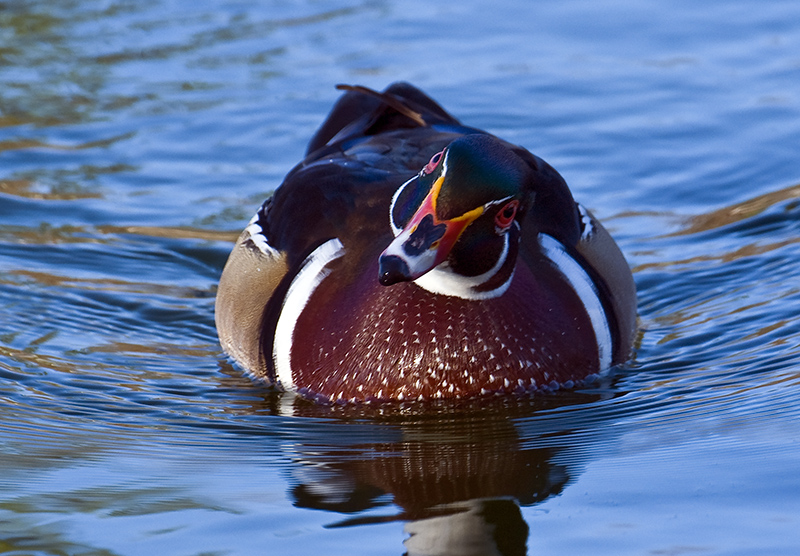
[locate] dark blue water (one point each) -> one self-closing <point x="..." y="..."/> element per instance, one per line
<point x="136" y="140"/>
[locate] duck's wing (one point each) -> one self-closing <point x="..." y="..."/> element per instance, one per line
<point x="605" y="258"/>
<point x="252" y="273"/>
<point x="584" y="239"/>
<point x="361" y="112"/>
<point x="339" y="199"/>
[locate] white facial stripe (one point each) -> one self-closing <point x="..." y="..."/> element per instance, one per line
<point x="496" y="202"/>
<point x="584" y="287"/>
<point x="395" y="229"/>
<point x="311" y="274"/>
<point x="443" y="281"/>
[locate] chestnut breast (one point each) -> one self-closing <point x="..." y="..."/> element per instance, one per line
<point x="360" y="341"/>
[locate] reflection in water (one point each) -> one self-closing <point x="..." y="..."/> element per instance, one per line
<point x="751" y="208"/>
<point x="458" y="477"/>
<point x="475" y="527"/>
<point x="56" y="88"/>
<point x="763" y="224"/>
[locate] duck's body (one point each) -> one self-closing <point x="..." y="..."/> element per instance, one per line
<point x="364" y="278"/>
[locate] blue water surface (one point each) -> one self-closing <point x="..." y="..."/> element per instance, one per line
<point x="137" y="139"/>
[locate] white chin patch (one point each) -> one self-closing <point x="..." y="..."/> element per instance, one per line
<point x="416" y="264"/>
<point x="443" y="281"/>
<point x="311" y="274"/>
<point x="582" y="283"/>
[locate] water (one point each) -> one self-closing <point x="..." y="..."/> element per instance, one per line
<point x="136" y="140"/>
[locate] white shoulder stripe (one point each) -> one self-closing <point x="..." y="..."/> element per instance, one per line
<point x="256" y="235"/>
<point x="311" y="274"/>
<point x="588" y="222"/>
<point x="582" y="283"/>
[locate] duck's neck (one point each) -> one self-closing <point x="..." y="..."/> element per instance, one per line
<point x="494" y="282"/>
<point x="443" y="280"/>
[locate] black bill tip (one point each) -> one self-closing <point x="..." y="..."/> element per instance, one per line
<point x="392" y="269"/>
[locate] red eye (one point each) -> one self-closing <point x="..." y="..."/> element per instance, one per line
<point x="505" y="216"/>
<point x="431" y="166"/>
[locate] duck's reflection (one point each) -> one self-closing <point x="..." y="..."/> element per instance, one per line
<point x="459" y="478"/>
<point x="472" y="527"/>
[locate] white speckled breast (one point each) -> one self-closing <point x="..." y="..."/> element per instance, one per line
<point x="364" y="341"/>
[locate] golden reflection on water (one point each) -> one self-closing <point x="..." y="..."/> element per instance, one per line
<point x="737" y="212"/>
<point x="745" y="251"/>
<point x="724" y="217"/>
<point x="46" y="234"/>
<point x="25" y="144"/>
<point x="172" y="232"/>
<point x="31" y="359"/>
<point x="108" y="285"/>
<point x="27" y="188"/>
<point x="199" y="351"/>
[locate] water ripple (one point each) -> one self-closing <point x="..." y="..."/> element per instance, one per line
<point x="136" y="141"/>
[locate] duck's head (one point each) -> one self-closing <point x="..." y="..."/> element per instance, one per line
<point x="461" y="215"/>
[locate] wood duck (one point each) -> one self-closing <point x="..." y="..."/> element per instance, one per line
<point x="409" y="257"/>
